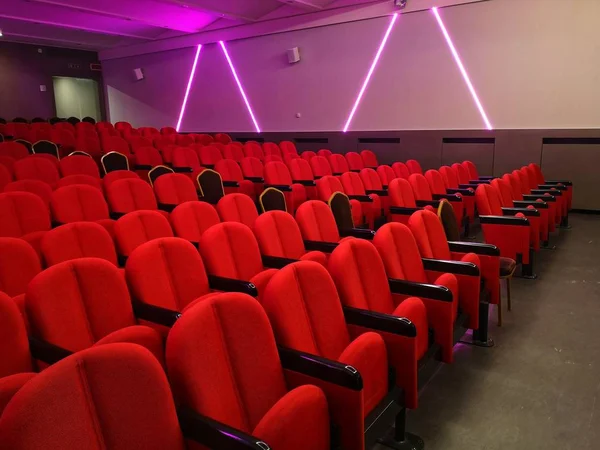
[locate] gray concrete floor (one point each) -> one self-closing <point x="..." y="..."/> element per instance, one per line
<point x="538" y="387"/>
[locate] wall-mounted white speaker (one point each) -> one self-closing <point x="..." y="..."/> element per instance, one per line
<point x="139" y="75"/>
<point x="293" y="55"/>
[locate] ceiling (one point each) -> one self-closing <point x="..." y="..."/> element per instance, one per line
<point x="105" y="24"/>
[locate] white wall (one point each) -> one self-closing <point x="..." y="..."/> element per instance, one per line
<point x="534" y="64"/>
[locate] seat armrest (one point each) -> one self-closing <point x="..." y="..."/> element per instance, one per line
<point x="565" y="182"/>
<point x="380" y="192"/>
<point x="451" y="197"/>
<point x="155" y="314"/>
<point x="465" y="192"/>
<point x="360" y="233"/>
<point x="142" y="167"/>
<point x="321" y="246"/>
<point x="455" y="267"/>
<point x="380" y="322"/>
<point x="209" y="166"/>
<point x="305" y="182"/>
<point x="552" y="186"/>
<point x="479" y="181"/>
<point x="524" y="204"/>
<point x="47" y="352"/>
<point x="255" y="179"/>
<point x="474" y="247"/>
<point x="503" y="220"/>
<point x="430" y="291"/>
<point x="213" y="434"/>
<point x="403" y="210"/>
<point x="166" y="207"/>
<point x="321" y="368"/>
<point x="232" y="285"/>
<point x="231" y="183"/>
<point x="468" y="186"/>
<point x="434" y="203"/>
<point x="281" y="187"/>
<point x="116" y="215"/>
<point x="486" y="177"/>
<point x="277" y="262"/>
<point x="555" y="192"/>
<point x="361" y="198"/>
<point x="545" y="198"/>
<point x="182" y="169"/>
<point x="525" y="211"/>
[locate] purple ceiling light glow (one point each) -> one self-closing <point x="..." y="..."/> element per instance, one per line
<point x="237" y="80"/>
<point x="187" y="90"/>
<point x="371" y="70"/>
<point x="463" y="71"/>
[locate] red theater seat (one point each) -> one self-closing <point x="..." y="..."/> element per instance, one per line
<point x="172" y="189"/>
<point x="308" y="155"/>
<point x="191" y="219"/>
<point x="438" y="190"/>
<point x="338" y="164"/>
<point x="288" y="147"/>
<point x="233" y="178"/>
<point x="13" y="149"/>
<point x="168" y="130"/>
<point x="538" y="176"/>
<point x="329" y="185"/>
<point x="386" y="175"/>
<point x="320" y="167"/>
<point x="79" y="165"/>
<point x="184" y="140"/>
<point x="277" y="175"/>
<point x="80" y="179"/>
<point x="36" y="168"/>
<point x="19" y="263"/>
<point x="37" y="187"/>
<point x="237" y="208"/>
<point x="5" y="177"/>
<point x="324" y="153"/>
<point x="369" y="159"/>
<point x="8" y="162"/>
<point x="223" y="138"/>
<point x="253" y="150"/>
<point x="371" y="204"/>
<point x="221" y="353"/>
<point x="130" y="194"/>
<point x="271" y="149"/>
<point x="138" y="227"/>
<point x="401" y="170"/>
<point x="115" y="175"/>
<point x="355" y="162"/>
<point x="373" y="186"/>
<point x="234" y="152"/>
<point x="209" y="155"/>
<point x="24" y="215"/>
<point x="79" y="202"/>
<point x="145" y="159"/>
<point x="303" y="174"/>
<point x="253" y="171"/>
<point x="185" y="160"/>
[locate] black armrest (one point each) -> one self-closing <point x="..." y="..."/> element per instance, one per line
<point x="143" y="167"/>
<point x="524" y="211"/>
<point x="213" y="434"/>
<point x="552" y="186"/>
<point x="403" y="210"/>
<point x="465" y="192"/>
<point x="380" y="322"/>
<point x="455" y="267"/>
<point x="554" y="192"/>
<point x="47" y="352"/>
<point x="479" y="181"/>
<point x="232" y="285"/>
<point x="277" y="262"/>
<point x="380" y="192"/>
<point x="360" y="233"/>
<point x="450" y="197"/>
<point x="182" y="169"/>
<point x="468" y="186"/>
<point x="523" y="204"/>
<point x="474" y="247"/>
<point x="116" y="215"/>
<point x="208" y="166"/>
<point x="434" y="203"/>
<point x="361" y="198"/>
<point x="337" y="174"/>
<point x="504" y="220"/>
<point x="565" y="182"/>
<point x="486" y="177"/>
<point x="355" y="170"/>
<point x="321" y="368"/>
<point x="281" y="187"/>
<point x="305" y="182"/>
<point x="155" y="314"/>
<point x="326" y="247"/>
<point x="166" y="207"/>
<point x="430" y="291"/>
<point x="229" y="183"/>
<point x="546" y="198"/>
<point x="255" y="179"/>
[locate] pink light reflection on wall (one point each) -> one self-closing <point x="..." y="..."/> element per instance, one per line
<point x="371" y="70"/>
<point x="187" y="90"/>
<point x="461" y="67"/>
<point x="237" y="80"/>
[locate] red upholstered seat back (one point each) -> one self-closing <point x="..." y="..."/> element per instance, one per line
<point x="386" y="174"/>
<point x="117" y="144"/>
<point x="138" y="227"/>
<point x="148" y="156"/>
<point x="312" y="320"/>
<point x="370" y="179"/>
<point x="320" y="166"/>
<point x="237" y="208"/>
<point x="76" y="303"/>
<point x="316" y="222"/>
<point x="229" y="170"/>
<point x="209" y="155"/>
<point x="253" y="150"/>
<point x="489" y="202"/>
<point x="523" y="181"/>
<point x="429" y="233"/>
<point x="78" y="240"/>
<point x="354" y="161"/>
<point x="13" y="149"/>
<point x="450" y="177"/>
<point x="78" y="202"/>
<point x="234" y="152"/>
<point x="277" y="173"/>
<point x="14" y="345"/>
<point x="36" y="169"/>
<point x="223" y="138"/>
<point x="401" y="170"/>
<point x="168" y="130"/>
<point x="252" y="167"/>
<point x="191" y="219"/>
<point x="113" y="396"/>
<point x="515" y="185"/>
<point x="288" y="147"/>
<point x="8" y="162"/>
<point x="399" y="251"/>
<point x="136" y="142"/>
<point x="185" y="157"/>
<point x="166" y="272"/>
<point x="324" y="152"/>
<point x="420" y="187"/>
<point x="19" y="263"/>
<point x="531" y="176"/>
<point x="271" y="148"/>
<point x="308" y="155"/>
<point x="78" y="165"/>
<point x="369" y="158"/>
<point x="414" y="166"/>
<point x="278" y="234"/>
<point x="272" y="158"/>
<point x="503" y="187"/>
<point x="338" y="163"/>
<point x="462" y="173"/>
<point x="115" y="175"/>
<point x="22" y="213"/>
<point x="174" y="189"/>
<point x="300" y="169"/>
<point x="37" y="187"/>
<point x="327" y="186"/>
<point x="471" y="169"/>
<point x="80" y="179"/>
<point x="401" y="193"/>
<point x="436" y="181"/>
<point x="359" y="275"/>
<point x="352" y="184"/>
<point x="539" y="176"/>
<point x="184" y="139"/>
<point x="130" y="194"/>
<point x="223" y="361"/>
<point x="230" y="250"/>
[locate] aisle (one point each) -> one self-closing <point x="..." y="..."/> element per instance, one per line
<point x="538" y="388"/>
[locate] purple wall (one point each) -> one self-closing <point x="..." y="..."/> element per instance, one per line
<point x="23" y="70"/>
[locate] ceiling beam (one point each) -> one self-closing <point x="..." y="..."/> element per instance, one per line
<point x="304" y="4"/>
<point x="220" y="14"/>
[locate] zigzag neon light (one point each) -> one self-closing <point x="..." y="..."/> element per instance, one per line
<point x="189" y="85"/>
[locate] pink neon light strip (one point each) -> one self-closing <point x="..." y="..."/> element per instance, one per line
<point x="463" y="71"/>
<point x="237" y="80"/>
<point x="371" y="70"/>
<point x="189" y="85"/>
